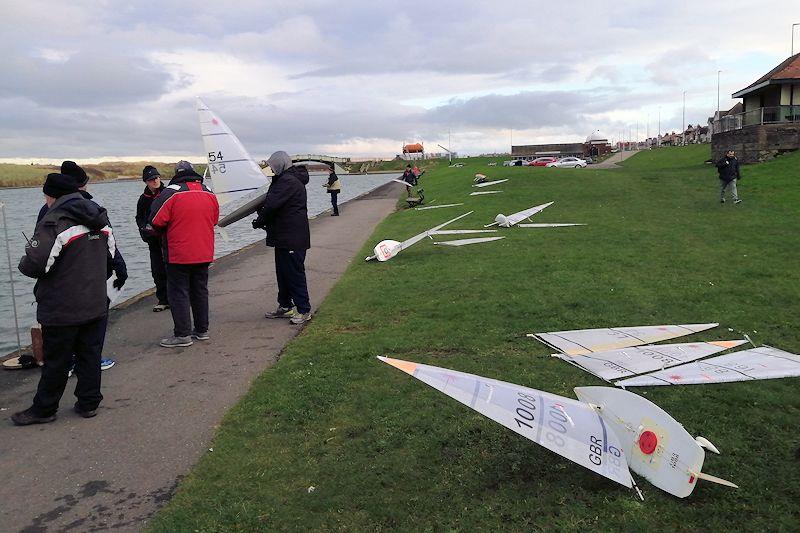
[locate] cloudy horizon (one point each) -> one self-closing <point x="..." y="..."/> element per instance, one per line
<point x="89" y="80"/>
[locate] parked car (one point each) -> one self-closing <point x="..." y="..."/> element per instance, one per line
<point x="513" y="163"/>
<point x="542" y="161"/>
<point x="568" y="162"/>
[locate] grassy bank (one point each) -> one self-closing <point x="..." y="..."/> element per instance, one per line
<point x="330" y="438"/>
<point x="33" y="175"/>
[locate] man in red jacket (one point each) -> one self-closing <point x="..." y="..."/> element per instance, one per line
<point x="185" y="214"/>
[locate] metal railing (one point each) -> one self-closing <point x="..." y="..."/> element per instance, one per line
<point x="756" y="117"/>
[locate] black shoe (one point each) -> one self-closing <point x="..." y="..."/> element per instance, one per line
<point x="29" y="416"/>
<point x="84" y="414"/>
<point x="200" y="336"/>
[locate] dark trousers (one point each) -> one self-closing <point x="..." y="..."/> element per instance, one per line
<point x="334" y="202"/>
<point x="85" y="342"/>
<point x="291" y="273"/>
<point x="187" y="289"/>
<point x="159" y="270"/>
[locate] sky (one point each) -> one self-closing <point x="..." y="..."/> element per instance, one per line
<point x="87" y="80"/>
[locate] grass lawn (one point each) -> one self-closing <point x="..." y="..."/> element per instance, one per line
<point x="384" y="451"/>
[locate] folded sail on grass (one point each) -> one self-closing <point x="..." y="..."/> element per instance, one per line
<point x="583" y="341"/>
<point x="764" y="362"/>
<point x="616" y="364"/>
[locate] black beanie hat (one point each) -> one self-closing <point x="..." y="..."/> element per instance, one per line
<point x="150" y="172"/>
<point x="57" y="185"/>
<point x="71" y="168"/>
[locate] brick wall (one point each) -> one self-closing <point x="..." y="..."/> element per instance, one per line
<point x="757" y="143"/>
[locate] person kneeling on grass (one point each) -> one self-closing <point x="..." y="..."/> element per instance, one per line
<point x="284" y="216"/>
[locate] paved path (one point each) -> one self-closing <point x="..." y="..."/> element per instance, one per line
<point x="161" y="406"/>
<point x="612" y="161"/>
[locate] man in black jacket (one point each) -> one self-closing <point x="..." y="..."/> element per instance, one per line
<point x="728" y="168"/>
<point x="68" y="255"/>
<point x="153" y="187"/>
<point x="284" y="216"/>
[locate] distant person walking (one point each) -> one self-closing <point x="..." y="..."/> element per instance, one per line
<point x="69" y="256"/>
<point x="728" y="168"/>
<point x="184" y="214"/>
<point x="153" y="187"/>
<point x="284" y="216"/>
<point x="334" y="186"/>
<point x="410" y="178"/>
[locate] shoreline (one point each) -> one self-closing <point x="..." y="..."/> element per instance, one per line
<point x="135" y="298"/>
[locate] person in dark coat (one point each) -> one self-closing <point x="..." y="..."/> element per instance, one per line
<point x="68" y="256"/>
<point x="409" y="177"/>
<point x="72" y="169"/>
<point x="284" y="216"/>
<point x="153" y="187"/>
<point x="334" y="186"/>
<point x="185" y="213"/>
<point x="728" y="168"/>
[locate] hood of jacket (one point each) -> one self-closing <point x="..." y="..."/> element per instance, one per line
<point x="300" y="173"/>
<point x="279" y="162"/>
<point x="81" y="210"/>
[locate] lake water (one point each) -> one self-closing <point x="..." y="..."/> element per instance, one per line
<point x="119" y="198"/>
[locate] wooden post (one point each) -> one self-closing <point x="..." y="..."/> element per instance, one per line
<point x="37" y="344"/>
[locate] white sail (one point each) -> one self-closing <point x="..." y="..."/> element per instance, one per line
<point x="554" y="225"/>
<point x="488" y="183"/>
<point x="480" y="193"/>
<point x="464" y="242"/>
<point x="583" y="341"/>
<point x="616" y="364"/>
<point x="567" y="427"/>
<point x="510" y="220"/>
<point x="436" y="206"/>
<point x="462" y="231"/>
<point x="655" y="445"/>
<point x="233" y="172"/>
<point x="763" y="362"/>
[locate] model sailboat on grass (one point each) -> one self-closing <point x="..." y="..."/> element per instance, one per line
<point x="608" y="431"/>
<point x="388" y="249"/>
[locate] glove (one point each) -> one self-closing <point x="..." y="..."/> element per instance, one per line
<point x="119" y="282"/>
<point x="255" y="223"/>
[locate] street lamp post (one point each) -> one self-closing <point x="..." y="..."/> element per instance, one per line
<point x="793" y="25"/>
<point x="658" y="133"/>
<point x="684" y="119"/>
<point x="718" y="93"/>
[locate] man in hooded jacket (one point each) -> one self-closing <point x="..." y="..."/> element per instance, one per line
<point x="284" y="216"/>
<point x="68" y="256"/>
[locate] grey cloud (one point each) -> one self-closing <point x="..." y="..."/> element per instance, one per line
<point x="84" y="80"/>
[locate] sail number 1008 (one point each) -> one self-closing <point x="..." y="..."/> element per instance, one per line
<point x="527" y="405"/>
